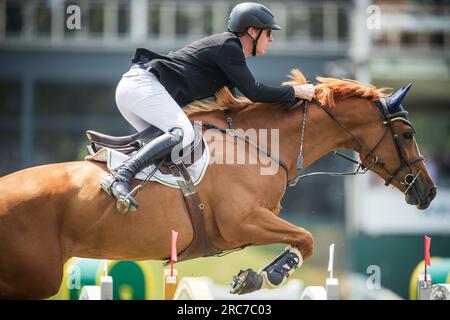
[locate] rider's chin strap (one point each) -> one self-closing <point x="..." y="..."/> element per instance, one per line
<point x="255" y="41"/>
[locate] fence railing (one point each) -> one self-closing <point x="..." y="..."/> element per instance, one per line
<point x="415" y="27"/>
<point x="117" y="23"/>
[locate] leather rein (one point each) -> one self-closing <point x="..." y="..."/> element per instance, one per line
<point x="388" y="120"/>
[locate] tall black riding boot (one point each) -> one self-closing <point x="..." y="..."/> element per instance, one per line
<point x="118" y="182"/>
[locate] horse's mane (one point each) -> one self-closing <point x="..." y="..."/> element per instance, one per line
<point x="328" y="91"/>
<point x="225" y="100"/>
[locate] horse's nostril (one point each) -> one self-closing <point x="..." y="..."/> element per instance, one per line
<point x="432" y="193"/>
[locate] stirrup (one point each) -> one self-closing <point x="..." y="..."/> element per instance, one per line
<point x="123" y="205"/>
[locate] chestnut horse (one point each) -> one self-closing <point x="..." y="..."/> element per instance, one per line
<point x="53" y="212"/>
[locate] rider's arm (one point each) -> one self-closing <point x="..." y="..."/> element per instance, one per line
<point x="231" y="60"/>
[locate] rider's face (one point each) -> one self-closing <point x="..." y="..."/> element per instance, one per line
<point x="263" y="41"/>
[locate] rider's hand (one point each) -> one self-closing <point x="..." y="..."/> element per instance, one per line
<point x="304" y="91"/>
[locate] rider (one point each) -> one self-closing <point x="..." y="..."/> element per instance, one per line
<point x="157" y="86"/>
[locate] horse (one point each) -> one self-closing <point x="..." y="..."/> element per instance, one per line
<point x="53" y="212"/>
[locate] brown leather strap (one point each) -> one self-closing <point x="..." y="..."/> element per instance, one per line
<point x="200" y="245"/>
<point x="195" y="155"/>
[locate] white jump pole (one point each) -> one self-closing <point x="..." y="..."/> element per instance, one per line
<point x="332" y="284"/>
<point x="106" y="284"/>
<point x="424" y="287"/>
<point x="102" y="292"/>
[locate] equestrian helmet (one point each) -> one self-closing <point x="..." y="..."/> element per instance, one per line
<point x="251" y="14"/>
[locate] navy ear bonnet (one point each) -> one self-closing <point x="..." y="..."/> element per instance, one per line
<point x="394" y="102"/>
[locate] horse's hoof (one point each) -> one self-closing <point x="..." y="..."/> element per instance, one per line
<point x="246" y="281"/>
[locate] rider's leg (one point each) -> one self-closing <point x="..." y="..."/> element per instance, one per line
<point x="119" y="181"/>
<point x="143" y="100"/>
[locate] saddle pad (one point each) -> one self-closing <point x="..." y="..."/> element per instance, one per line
<point x="114" y="159"/>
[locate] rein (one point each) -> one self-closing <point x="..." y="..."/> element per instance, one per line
<point x="388" y="120"/>
<point x="230" y="131"/>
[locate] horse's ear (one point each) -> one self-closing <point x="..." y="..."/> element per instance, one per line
<point x="397" y="97"/>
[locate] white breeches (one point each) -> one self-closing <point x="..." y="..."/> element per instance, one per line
<point x="144" y="101"/>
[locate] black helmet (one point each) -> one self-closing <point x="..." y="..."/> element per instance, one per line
<point x="251" y="14"/>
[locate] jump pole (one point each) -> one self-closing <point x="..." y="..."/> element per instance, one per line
<point x="171" y="274"/>
<point x="332" y="284"/>
<point x="424" y="281"/>
<point x="102" y="292"/>
<point x="106" y="284"/>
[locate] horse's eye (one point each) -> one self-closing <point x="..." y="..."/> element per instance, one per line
<point x="408" y="135"/>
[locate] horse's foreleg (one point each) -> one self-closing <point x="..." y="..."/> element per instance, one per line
<point x="263" y="227"/>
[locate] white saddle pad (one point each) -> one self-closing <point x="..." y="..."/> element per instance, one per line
<point x="114" y="159"/>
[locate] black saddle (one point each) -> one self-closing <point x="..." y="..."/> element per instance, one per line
<point x="124" y="144"/>
<point x="132" y="143"/>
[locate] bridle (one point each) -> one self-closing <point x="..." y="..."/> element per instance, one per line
<point x="388" y="119"/>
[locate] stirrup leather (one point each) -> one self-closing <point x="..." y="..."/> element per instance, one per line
<point x="107" y="182"/>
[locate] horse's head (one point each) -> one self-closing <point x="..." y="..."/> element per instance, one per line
<point x="394" y="154"/>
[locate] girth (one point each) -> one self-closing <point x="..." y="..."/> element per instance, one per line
<point x="200" y="245"/>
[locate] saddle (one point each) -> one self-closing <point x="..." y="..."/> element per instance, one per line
<point x="129" y="144"/>
<point x="200" y="245"/>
